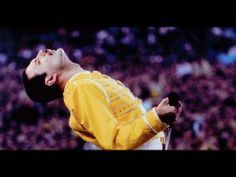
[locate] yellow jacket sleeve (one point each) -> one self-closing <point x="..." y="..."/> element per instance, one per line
<point x="91" y="108"/>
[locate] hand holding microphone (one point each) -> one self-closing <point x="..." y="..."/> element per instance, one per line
<point x="169" y="109"/>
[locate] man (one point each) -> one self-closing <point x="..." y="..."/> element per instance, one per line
<point x="102" y="110"/>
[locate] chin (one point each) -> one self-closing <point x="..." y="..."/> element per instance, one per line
<point x="62" y="57"/>
<point x="60" y="50"/>
<point x="62" y="53"/>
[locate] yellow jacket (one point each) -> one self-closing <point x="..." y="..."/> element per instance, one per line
<point x="106" y="113"/>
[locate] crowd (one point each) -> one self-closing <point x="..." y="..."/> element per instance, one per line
<point x="199" y="64"/>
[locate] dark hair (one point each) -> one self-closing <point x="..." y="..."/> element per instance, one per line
<point x="38" y="91"/>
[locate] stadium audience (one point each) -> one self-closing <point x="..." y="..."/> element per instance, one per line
<point x="152" y="61"/>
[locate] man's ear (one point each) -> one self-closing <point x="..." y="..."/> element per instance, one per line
<point x="50" y="79"/>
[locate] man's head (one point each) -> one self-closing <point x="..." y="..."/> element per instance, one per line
<point x="40" y="78"/>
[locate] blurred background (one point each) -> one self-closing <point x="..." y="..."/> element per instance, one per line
<point x="198" y="63"/>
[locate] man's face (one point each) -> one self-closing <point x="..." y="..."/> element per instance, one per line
<point x="47" y="61"/>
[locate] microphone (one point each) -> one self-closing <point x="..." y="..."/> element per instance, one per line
<point x="173" y="101"/>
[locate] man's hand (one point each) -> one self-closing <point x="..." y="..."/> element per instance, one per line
<point x="168" y="114"/>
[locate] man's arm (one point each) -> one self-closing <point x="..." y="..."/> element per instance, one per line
<point x="92" y="110"/>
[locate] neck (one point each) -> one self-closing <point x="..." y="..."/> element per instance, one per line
<point x="67" y="73"/>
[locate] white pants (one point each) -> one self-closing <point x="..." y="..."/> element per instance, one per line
<point x="153" y="144"/>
